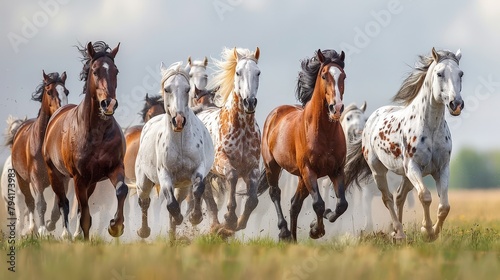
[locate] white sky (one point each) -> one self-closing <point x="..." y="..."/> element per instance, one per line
<point x="394" y="33"/>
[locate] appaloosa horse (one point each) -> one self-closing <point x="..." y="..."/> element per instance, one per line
<point x="27" y="158"/>
<point x="84" y="141"/>
<point x="235" y="133"/>
<point x="413" y="140"/>
<point x="308" y="142"/>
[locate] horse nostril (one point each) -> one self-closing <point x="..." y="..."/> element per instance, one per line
<point x="331" y="108"/>
<point x="174" y="122"/>
<point x="342" y="109"/>
<point x="453" y="106"/>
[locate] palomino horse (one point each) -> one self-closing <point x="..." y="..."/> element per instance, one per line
<point x="153" y="106"/>
<point x="86" y="143"/>
<point x="235" y="133"/>
<point x="308" y="142"/>
<point x="27" y="158"/>
<point x="175" y="151"/>
<point x="413" y="140"/>
<point x="198" y="79"/>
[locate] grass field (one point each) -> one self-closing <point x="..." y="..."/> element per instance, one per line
<point x="468" y="248"/>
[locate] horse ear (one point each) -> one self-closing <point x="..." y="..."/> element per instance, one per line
<point x="115" y="51"/>
<point x="257" y="53"/>
<point x="63" y="77"/>
<point x="163" y="67"/>
<point x="342" y="55"/>
<point x="320" y="56"/>
<point x="189" y="60"/>
<point x="236" y="54"/>
<point x="147" y="99"/>
<point x="363" y="107"/>
<point x="90" y="50"/>
<point x="458" y="54"/>
<point x="435" y="55"/>
<point x="205" y="61"/>
<point x="46" y="78"/>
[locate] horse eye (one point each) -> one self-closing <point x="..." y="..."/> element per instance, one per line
<point x="461" y="74"/>
<point x="348" y="118"/>
<point x="440" y="74"/>
<point x="238" y="73"/>
<point x="258" y="73"/>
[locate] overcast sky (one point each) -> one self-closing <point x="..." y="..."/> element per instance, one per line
<point x="381" y="38"/>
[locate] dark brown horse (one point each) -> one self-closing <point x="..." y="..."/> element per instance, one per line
<point x="27" y="158"/>
<point x="308" y="141"/>
<point x="153" y="106"/>
<point x="86" y="143"/>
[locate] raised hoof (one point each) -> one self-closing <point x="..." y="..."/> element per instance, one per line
<point x="330" y="215"/>
<point x="195" y="218"/>
<point x="144" y="232"/>
<point x="50" y="225"/>
<point x="115" y="230"/>
<point x="316" y="232"/>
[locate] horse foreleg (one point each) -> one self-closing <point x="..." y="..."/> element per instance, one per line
<point x="444" y="206"/>
<point x="116" y="225"/>
<point x="252" y="199"/>
<point x="311" y="181"/>
<point x="212" y="208"/>
<point x="404" y="188"/>
<point x="41" y="206"/>
<point x="167" y="188"/>
<point x="196" y="216"/>
<point x="57" y="181"/>
<point x="275" y="193"/>
<point x="24" y="186"/>
<point x="83" y="203"/>
<point x="341" y="207"/>
<point x="230" y="216"/>
<point x="296" y="205"/>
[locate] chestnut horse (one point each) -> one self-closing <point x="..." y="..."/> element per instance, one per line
<point x="308" y="142"/>
<point x="27" y="159"/>
<point x="84" y="141"/>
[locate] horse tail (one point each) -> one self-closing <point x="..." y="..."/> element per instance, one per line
<point x="263" y="184"/>
<point x="356" y="168"/>
<point x="13" y="125"/>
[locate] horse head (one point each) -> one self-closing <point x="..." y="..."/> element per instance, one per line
<point x="353" y="121"/>
<point x="246" y="79"/>
<point x="175" y="89"/>
<point x="54" y="91"/>
<point x="153" y="106"/>
<point x="102" y="79"/>
<point x="447" y="80"/>
<point x="331" y="79"/>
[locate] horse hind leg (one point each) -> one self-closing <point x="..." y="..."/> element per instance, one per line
<point x="24" y="186"/>
<point x="404" y="188"/>
<point x="212" y="208"/>
<point x="444" y="206"/>
<point x="57" y="182"/>
<point x="296" y="205"/>
<point x="231" y="217"/>
<point x="272" y="175"/>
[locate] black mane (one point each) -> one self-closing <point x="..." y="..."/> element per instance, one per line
<point x="38" y="94"/>
<point x="150" y="102"/>
<point x="101" y="49"/>
<point x="307" y="76"/>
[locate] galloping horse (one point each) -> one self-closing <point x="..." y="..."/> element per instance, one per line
<point x="27" y="158"/>
<point x="413" y="140"/>
<point x="84" y="141"/>
<point x="308" y="142"/>
<point x="235" y="133"/>
<point x="175" y="151"/>
<point x="153" y="106"/>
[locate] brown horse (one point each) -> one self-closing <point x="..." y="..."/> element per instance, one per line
<point x="153" y="106"/>
<point x="27" y="158"/>
<point x="86" y="143"/>
<point x="308" y="142"/>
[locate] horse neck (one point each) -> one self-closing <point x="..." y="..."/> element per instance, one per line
<point x="425" y="106"/>
<point x="316" y="111"/>
<point x="88" y="112"/>
<point x="40" y="124"/>
<point x="233" y="111"/>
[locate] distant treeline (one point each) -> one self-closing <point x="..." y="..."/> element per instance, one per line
<point x="473" y="169"/>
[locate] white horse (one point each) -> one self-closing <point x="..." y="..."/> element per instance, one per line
<point x="413" y="140"/>
<point x="175" y="151"/>
<point x="198" y="78"/>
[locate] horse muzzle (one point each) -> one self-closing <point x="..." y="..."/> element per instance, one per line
<point x="250" y="104"/>
<point x="335" y="111"/>
<point x="456" y="107"/>
<point x="108" y="107"/>
<point x="178" y="122"/>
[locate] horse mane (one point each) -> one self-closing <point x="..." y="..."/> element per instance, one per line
<point x="174" y="69"/>
<point x="223" y="79"/>
<point x="306" y="79"/>
<point x="150" y="102"/>
<point x="412" y="84"/>
<point x="13" y="124"/>
<point x="38" y="94"/>
<point x="99" y="47"/>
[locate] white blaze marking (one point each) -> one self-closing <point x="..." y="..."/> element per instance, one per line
<point x="335" y="72"/>
<point x="106" y="66"/>
<point x="62" y="95"/>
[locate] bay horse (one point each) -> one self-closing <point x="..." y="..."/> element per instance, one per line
<point x="84" y="142"/>
<point x="235" y="134"/>
<point x="175" y="151"/>
<point x="308" y="142"/>
<point x="413" y="139"/>
<point x="26" y="153"/>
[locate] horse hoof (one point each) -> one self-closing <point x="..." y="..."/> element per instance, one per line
<point x="144" y="232"/>
<point x="195" y="218"/>
<point x="42" y="231"/>
<point x="231" y="221"/>
<point x="225" y="232"/>
<point x="285" y="235"/>
<point x="178" y="220"/>
<point x="115" y="230"/>
<point x="429" y="234"/>
<point x="65" y="235"/>
<point x="50" y="225"/>
<point x="215" y="228"/>
<point x="396" y="236"/>
<point x="316" y="232"/>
